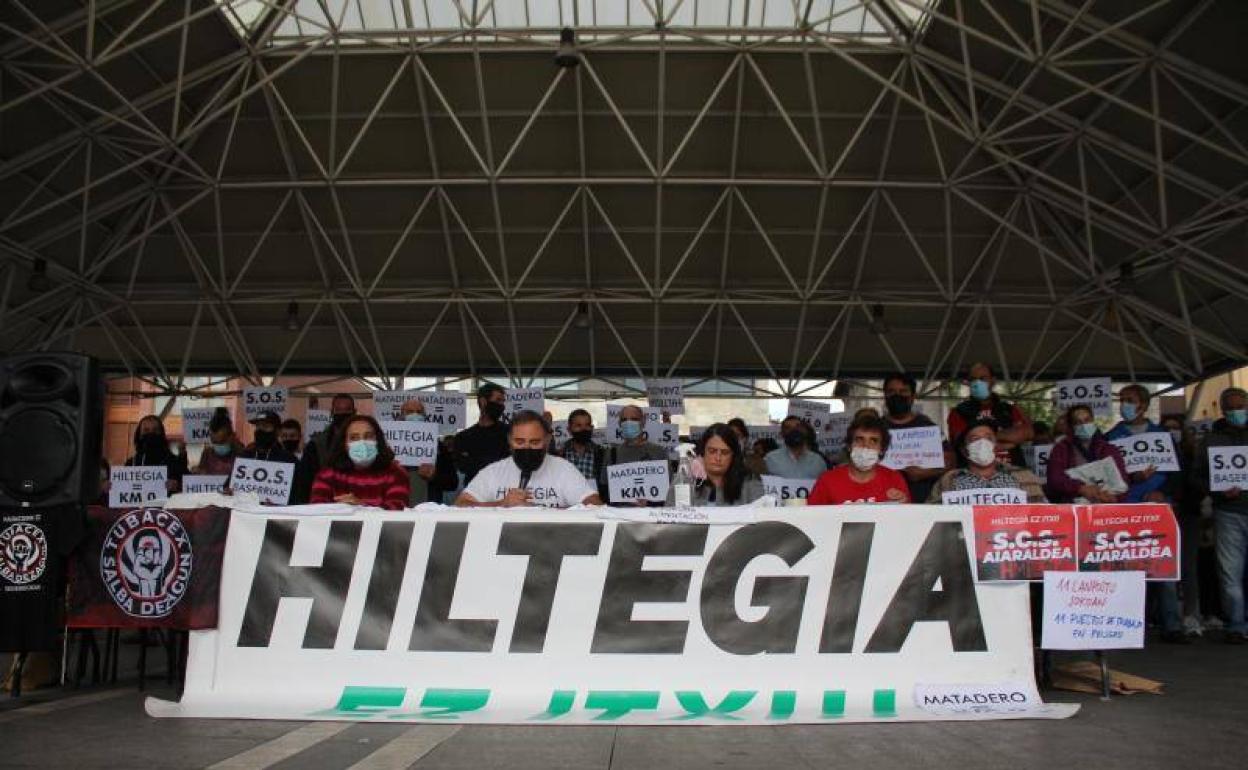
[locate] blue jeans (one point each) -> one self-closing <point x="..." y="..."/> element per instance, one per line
<point x="1232" y="548"/>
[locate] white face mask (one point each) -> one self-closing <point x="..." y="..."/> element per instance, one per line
<point x="981" y="451"/>
<point x="863" y="458"/>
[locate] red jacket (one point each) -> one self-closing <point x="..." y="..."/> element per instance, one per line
<point x="387" y="488"/>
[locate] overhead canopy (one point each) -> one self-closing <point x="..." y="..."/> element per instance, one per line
<point x="777" y="189"/>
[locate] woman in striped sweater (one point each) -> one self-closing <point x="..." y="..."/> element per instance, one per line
<point x="362" y="469"/>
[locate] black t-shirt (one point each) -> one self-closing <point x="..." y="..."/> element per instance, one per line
<point x="478" y="446"/>
<point x="34" y="546"/>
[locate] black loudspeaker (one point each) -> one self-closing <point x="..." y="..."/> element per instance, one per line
<point x="51" y="426"/>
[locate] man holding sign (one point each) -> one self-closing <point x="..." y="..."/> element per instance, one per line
<point x="1221" y="468"/>
<point x="985" y="480"/>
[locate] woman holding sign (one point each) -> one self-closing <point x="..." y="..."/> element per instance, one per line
<point x="978" y="444"/>
<point x="361" y="469"/>
<point x="1084" y="445"/>
<point x="723" y="479"/>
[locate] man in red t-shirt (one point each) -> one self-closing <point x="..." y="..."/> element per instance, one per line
<point x="863" y="480"/>
<point x="1013" y="427"/>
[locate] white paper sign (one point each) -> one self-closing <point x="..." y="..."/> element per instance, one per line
<point x="1093" y="611"/>
<point x="1037" y="456"/>
<point x="267" y="480"/>
<point x="1094" y="392"/>
<point x="414" y="443"/>
<point x="317" y="420"/>
<point x="1228" y="468"/>
<point x="666" y="395"/>
<point x="915" y="448"/>
<point x="665" y="434"/>
<point x="137" y="485"/>
<point x="1145" y="450"/>
<point x="787" y="489"/>
<point x="257" y="401"/>
<point x="195" y="425"/>
<point x="814" y="412"/>
<point x="520" y="399"/>
<point x="984" y="496"/>
<point x="641" y="481"/>
<point x="195" y="485"/>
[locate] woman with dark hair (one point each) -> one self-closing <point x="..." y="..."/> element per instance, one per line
<point x="724" y="480"/>
<point x="361" y="469"/>
<point x="223" y="446"/>
<point x="1084" y="444"/>
<point x="151" y="447"/>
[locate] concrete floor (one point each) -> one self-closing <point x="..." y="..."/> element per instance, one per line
<point x="1201" y="722"/>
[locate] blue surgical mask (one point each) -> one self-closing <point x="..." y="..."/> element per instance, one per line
<point x="630" y="429"/>
<point x="1085" y="430"/>
<point x="1128" y="411"/>
<point x="221" y="450"/>
<point x="1237" y="417"/>
<point x="362" y="452"/>
<point x="980" y="390"/>
<point x="414" y="417"/>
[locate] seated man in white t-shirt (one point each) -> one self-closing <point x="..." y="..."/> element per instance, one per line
<point x="531" y="476"/>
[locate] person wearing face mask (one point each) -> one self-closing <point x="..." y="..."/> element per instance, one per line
<point x="361" y="469"/>
<point x="290" y="436"/>
<point x="429" y="481"/>
<point x="486" y="442"/>
<point x="217" y="458"/>
<point x="1013" y="427"/>
<point x="863" y="479"/>
<point x="796" y="460"/>
<point x="531" y="476"/>
<point x="1084" y="444"/>
<point x="983" y="469"/>
<point x="320" y="446"/>
<point x="1230" y="511"/>
<point x="899" y="390"/>
<point x="151" y="447"/>
<point x="722" y="479"/>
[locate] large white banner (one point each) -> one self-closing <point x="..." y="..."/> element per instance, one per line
<point x="824" y="615"/>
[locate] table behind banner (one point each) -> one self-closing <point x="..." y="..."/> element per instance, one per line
<point x="536" y="617"/>
<point x="148" y="568"/>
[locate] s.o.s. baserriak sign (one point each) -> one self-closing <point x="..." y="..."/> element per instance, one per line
<point x="527" y="616"/>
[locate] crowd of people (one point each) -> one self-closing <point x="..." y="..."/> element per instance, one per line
<point x="500" y="462"/>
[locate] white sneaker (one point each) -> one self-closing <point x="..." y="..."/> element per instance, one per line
<point x="1192" y="626"/>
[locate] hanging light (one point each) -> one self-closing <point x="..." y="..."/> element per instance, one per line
<point x="292" y="317"/>
<point x="39" y="281"/>
<point x="582" y="320"/>
<point x="567" y="55"/>
<point x="878" y="324"/>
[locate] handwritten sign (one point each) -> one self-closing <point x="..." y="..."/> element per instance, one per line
<point x="1037" y="456"/>
<point x="787" y="489"/>
<point x="984" y="496"/>
<point x="414" y="443"/>
<point x="666" y="395"/>
<point x="195" y="425"/>
<point x="1148" y="450"/>
<point x="257" y="401"/>
<point x="645" y="481"/>
<point x="318" y="420"/>
<point x="1093" y="612"/>
<point x="267" y="480"/>
<point x="1228" y="468"/>
<point x="915" y="448"/>
<point x="1094" y="392"/>
<point x="521" y="399"/>
<point x="198" y="485"/>
<point x="814" y="412"/>
<point x="137" y="485"/>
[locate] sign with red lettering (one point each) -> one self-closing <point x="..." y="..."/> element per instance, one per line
<point x="1121" y="538"/>
<point x="1022" y="542"/>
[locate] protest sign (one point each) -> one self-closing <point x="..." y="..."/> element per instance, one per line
<point x="269" y="481"/>
<point x="1126" y="537"/>
<point x="814" y="412"/>
<point x="787" y="489"/>
<point x="521" y="399"/>
<point x="1087" y="612"/>
<point x="666" y="395"/>
<point x="196" y="485"/>
<point x="1228" y="468"/>
<point x="1023" y="542"/>
<point x="414" y="443"/>
<point x="1094" y="392"/>
<point x="1148" y="450"/>
<point x="915" y="448"/>
<point x="195" y="425"/>
<point x="257" y="401"/>
<point x="137" y="485"/>
<point x="641" y="481"/>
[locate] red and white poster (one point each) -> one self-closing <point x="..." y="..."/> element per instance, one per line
<point x="1022" y="542"/>
<point x="1118" y="538"/>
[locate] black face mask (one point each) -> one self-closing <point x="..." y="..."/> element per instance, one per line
<point x="492" y="410"/>
<point x="291" y="445"/>
<point x="582" y="436"/>
<point x="897" y="404"/>
<point x="528" y="460"/>
<point x="794" y="439"/>
<point x="265" y="439"/>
